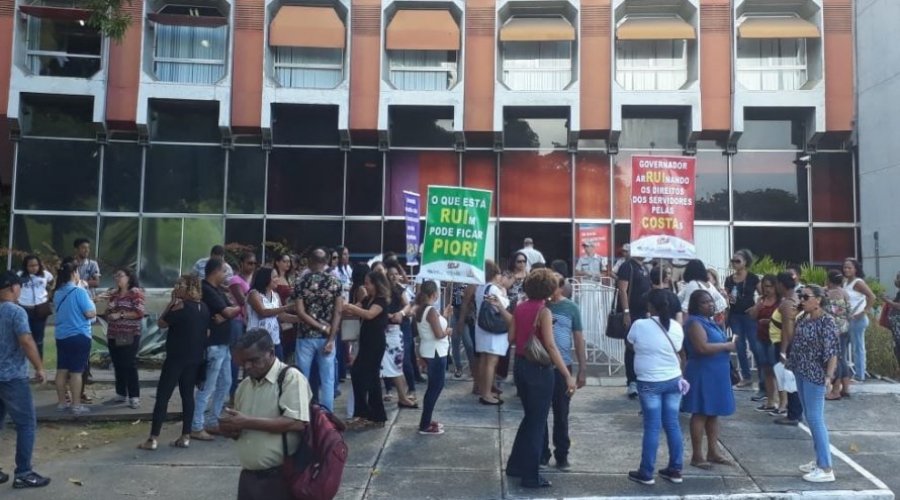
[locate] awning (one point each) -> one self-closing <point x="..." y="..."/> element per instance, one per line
<point x="300" y="26"/>
<point x="55" y="12"/>
<point x="655" y="28"/>
<point x="777" y="27"/>
<point x="185" y="20"/>
<point x="422" y="30"/>
<point x="537" y="29"/>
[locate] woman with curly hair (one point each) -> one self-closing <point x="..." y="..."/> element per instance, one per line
<point x="125" y="317"/>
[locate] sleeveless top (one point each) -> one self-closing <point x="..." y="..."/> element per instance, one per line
<point x="269" y="324"/>
<point x="775" y="326"/>
<point x="524" y="315"/>
<point x="857" y="299"/>
<point x="428" y="344"/>
<point x="763" y="320"/>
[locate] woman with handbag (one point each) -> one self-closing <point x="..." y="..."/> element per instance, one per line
<point x="489" y="346"/>
<point x="708" y="371"/>
<point x="657" y="344"/>
<point x="35" y="297"/>
<point x="125" y="317"/>
<point x="531" y="329"/>
<point x="187" y="318"/>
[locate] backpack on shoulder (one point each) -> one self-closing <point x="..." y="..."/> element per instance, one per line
<point x="314" y="471"/>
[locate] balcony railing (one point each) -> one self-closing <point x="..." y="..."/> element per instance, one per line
<point x="51" y="63"/>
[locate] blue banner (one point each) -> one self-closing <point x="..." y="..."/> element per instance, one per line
<point x="411" y="211"/>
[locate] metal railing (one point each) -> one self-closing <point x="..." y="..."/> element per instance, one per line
<point x="595" y="298"/>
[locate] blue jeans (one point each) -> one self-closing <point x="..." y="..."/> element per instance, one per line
<point x="410" y="367"/>
<point x="460" y="338"/>
<point x="535" y="386"/>
<point x="218" y="382"/>
<point x="437" y="371"/>
<point x="309" y="349"/>
<point x="858" y="341"/>
<point x="237" y="329"/>
<point x="745" y="327"/>
<point x="660" y="402"/>
<point x="15" y="399"/>
<point x="560" y="434"/>
<point x="813" y="398"/>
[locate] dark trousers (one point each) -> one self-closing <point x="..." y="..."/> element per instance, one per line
<point x="37" y="327"/>
<point x="124" y="360"/>
<point x="437" y="372"/>
<point x="410" y="367"/>
<point x="535" y="386"/>
<point x="560" y="407"/>
<point x="367" y="400"/>
<point x="502" y="370"/>
<point x="794" y="407"/>
<point x="263" y="485"/>
<point x="237" y="329"/>
<point x="182" y="374"/>
<point x="629" y="364"/>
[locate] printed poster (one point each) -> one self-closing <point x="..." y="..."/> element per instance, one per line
<point x="456" y="226"/>
<point x="662" y="207"/>
<point x="411" y="212"/>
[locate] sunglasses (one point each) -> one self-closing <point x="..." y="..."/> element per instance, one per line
<point x="736" y="261"/>
<point x="334" y="257"/>
<point x="804" y="297"/>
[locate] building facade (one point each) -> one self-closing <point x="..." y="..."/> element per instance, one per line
<point x="303" y="121"/>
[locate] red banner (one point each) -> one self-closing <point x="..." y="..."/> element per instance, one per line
<point x="598" y="234"/>
<point x="662" y="207"/>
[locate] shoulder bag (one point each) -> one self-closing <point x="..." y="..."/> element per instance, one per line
<point x="534" y="348"/>
<point x="615" y="322"/>
<point x="489" y="318"/>
<point x="683" y="384"/>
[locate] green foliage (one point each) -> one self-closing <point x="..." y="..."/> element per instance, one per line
<point x="878" y="289"/>
<point x="233" y="253"/>
<point x="108" y="18"/>
<point x="767" y="265"/>
<point x="880" y="357"/>
<point x="813" y="275"/>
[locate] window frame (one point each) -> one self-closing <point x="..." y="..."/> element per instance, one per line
<point x="504" y="47"/>
<point x="277" y="66"/>
<point x="34" y="54"/>
<point x="452" y="73"/>
<point x="684" y="67"/>
<point x="223" y="63"/>
<point x="741" y="70"/>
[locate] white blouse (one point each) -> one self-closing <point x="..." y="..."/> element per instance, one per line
<point x="428" y="343"/>
<point x="685" y="295"/>
<point x="269" y="324"/>
<point x="34" y="291"/>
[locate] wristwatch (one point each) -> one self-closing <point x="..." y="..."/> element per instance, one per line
<point x="626" y="311"/>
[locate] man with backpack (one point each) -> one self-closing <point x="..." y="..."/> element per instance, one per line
<point x="272" y="402"/>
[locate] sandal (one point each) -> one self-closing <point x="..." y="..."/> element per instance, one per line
<point x="181" y="442"/>
<point x="721" y="461"/>
<point x="702" y="465"/>
<point x="412" y="406"/>
<point x="845" y="394"/>
<point x="149" y="445"/>
<point x="832" y="398"/>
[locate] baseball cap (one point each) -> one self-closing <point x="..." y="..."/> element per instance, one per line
<point x="9" y="278"/>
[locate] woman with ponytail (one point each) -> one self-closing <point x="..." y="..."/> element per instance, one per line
<point x="434" y="345"/>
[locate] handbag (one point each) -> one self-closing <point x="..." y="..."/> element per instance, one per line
<point x="534" y="348"/>
<point x="42" y="310"/>
<point x="350" y="330"/>
<point x="683" y="385"/>
<point x="489" y="319"/>
<point x="884" y="317"/>
<point x="615" y="322"/>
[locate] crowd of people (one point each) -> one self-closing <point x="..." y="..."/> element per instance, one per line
<point x="232" y="331"/>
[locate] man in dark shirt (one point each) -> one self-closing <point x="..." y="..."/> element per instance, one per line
<point x="319" y="302"/>
<point x="633" y="283"/>
<point x="218" y="355"/>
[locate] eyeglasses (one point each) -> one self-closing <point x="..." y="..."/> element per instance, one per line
<point x="736" y="261"/>
<point x="334" y="257"/>
<point x="804" y="297"/>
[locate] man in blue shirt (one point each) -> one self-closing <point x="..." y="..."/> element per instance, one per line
<point x="17" y="345"/>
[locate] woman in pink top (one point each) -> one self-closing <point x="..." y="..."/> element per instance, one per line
<point x="534" y="381"/>
<point x="240" y="287"/>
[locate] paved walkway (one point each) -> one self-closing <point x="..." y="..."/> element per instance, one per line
<point x="467" y="462"/>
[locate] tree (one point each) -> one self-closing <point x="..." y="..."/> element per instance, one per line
<point x="108" y="18"/>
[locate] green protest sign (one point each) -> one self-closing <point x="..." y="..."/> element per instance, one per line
<point x="456" y="225"/>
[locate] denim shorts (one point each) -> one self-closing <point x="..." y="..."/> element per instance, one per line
<point x="72" y="353"/>
<point x="767" y="354"/>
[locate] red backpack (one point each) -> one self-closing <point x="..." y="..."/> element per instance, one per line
<point x="314" y="471"/>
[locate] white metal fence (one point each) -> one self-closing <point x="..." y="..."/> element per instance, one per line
<point x="595" y="298"/>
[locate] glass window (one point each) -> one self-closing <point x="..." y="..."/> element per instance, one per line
<point x="644" y="128"/>
<point x="51" y="234"/>
<point x="832" y="187"/>
<point x="122" y="177"/>
<point x="189" y="54"/>
<point x="552" y="239"/>
<point x="47" y="115"/>
<point x="184" y="179"/>
<point x="421" y="126"/>
<point x="365" y="169"/>
<point x="831" y="245"/>
<point x="57" y="175"/>
<point x="363" y="238"/>
<point x="244" y="232"/>
<point x="422" y="69"/>
<point x="784" y="244"/>
<point x="199" y="236"/>
<point x="62" y="47"/>
<point x="537" y="65"/>
<point x="305" y="124"/>
<point x="480" y="172"/>
<point x="395" y="237"/>
<point x="308" y="67"/>
<point x="118" y="247"/>
<point x="173" y="120"/>
<point x="306" y="181"/>
<point x="525" y="127"/>
<point x="771" y="64"/>
<point x="711" y="196"/>
<point x="534" y="184"/>
<point x="303" y="235"/>
<point x="246" y="180"/>
<point x="766" y="128"/>
<point x="651" y="64"/>
<point x="592" y="185"/>
<point x="161" y="251"/>
<point x="415" y="171"/>
<point x="622" y="235"/>
<point x="769" y="187"/>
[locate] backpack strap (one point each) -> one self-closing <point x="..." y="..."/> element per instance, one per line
<point x="281" y="376"/>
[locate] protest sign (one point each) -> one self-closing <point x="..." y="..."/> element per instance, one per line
<point x="411" y="211"/>
<point x="662" y="207"/>
<point x="456" y="226"/>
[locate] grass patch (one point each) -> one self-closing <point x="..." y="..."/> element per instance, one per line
<point x="50" y="347"/>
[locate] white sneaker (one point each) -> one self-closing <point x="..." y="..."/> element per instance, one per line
<point x="134" y="403"/>
<point x="807" y="468"/>
<point x="819" y="476"/>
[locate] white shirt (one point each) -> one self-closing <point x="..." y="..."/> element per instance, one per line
<point x="857" y="299"/>
<point x="685" y="295"/>
<point x="34" y="291"/>
<point x="428" y="343"/>
<point x="269" y="324"/>
<point x="533" y="257"/>
<point x="494" y="290"/>
<point x="591" y="265"/>
<point x="654" y="358"/>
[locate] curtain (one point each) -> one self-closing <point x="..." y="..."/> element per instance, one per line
<point x="190" y="54"/>
<point x="537" y="65"/>
<point x="771" y="64"/>
<point x="438" y="69"/>
<point x="309" y="67"/>
<point x="651" y="64"/>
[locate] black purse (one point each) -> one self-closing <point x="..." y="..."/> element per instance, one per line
<point x="615" y="322"/>
<point x="489" y="319"/>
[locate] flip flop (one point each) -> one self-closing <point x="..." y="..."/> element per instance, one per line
<point x="413" y="406"/>
<point x="702" y="465"/>
<point x="721" y="461"/>
<point x="832" y="398"/>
